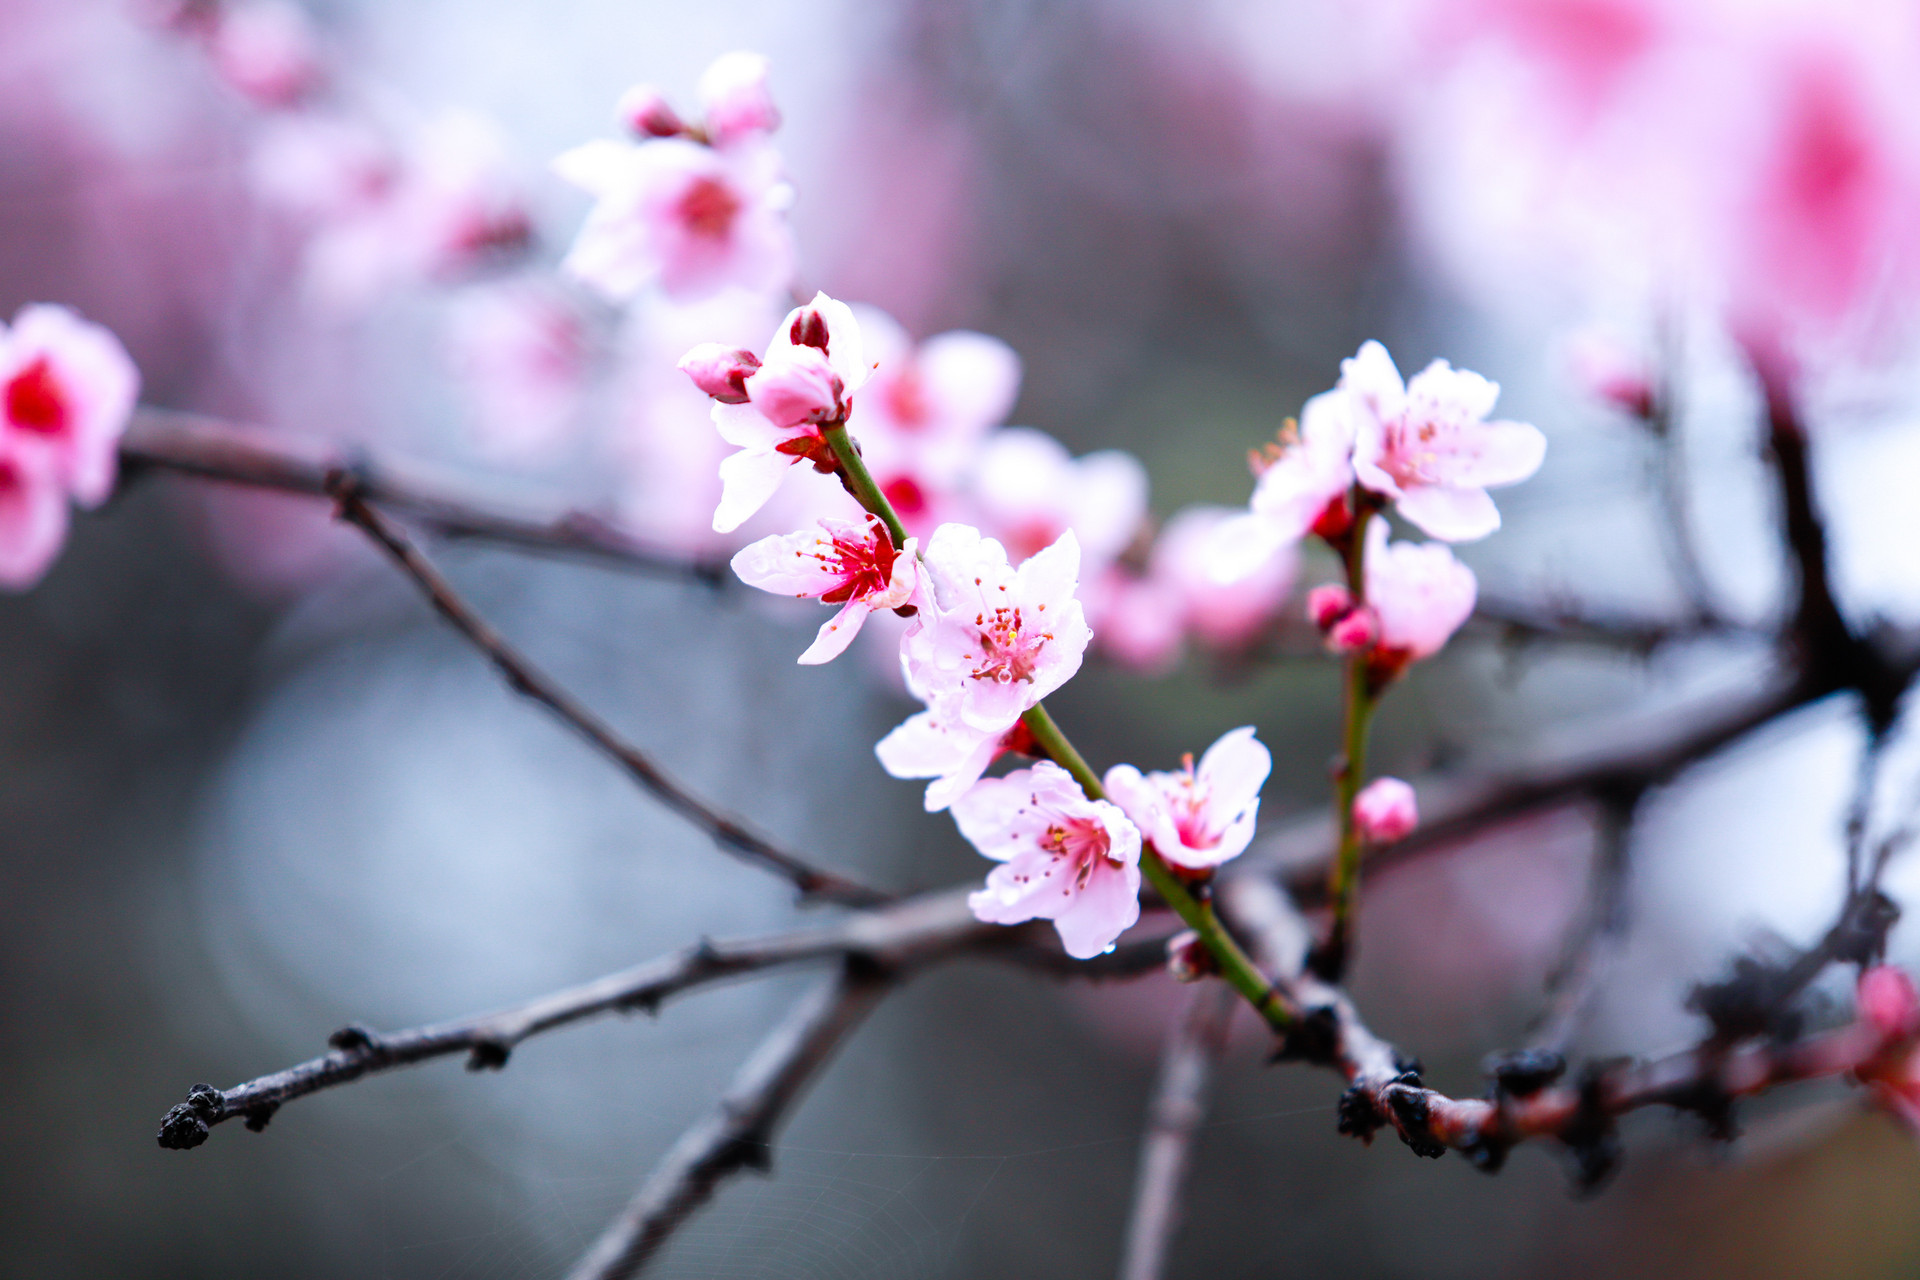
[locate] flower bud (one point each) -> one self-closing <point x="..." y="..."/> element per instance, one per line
<point x="1354" y="631"/>
<point x="644" y="110"/>
<point x="1385" y="811"/>
<point x="800" y="387"/>
<point x="720" y="371"/>
<point x="1887" y="999"/>
<point x="738" y="105"/>
<point x="1188" y="959"/>
<point x="1328" y="604"/>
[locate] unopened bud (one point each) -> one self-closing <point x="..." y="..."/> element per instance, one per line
<point x="1335" y="520"/>
<point x="1385" y="812"/>
<point x="720" y="371"/>
<point x="809" y="329"/>
<point x="1887" y="999"/>
<point x="800" y="387"/>
<point x="1354" y="631"/>
<point x="644" y="110"/>
<point x="1188" y="959"/>
<point x="734" y="90"/>
<point x="1328" y="604"/>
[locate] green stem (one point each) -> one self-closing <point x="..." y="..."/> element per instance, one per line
<point x="860" y="480"/>
<point x="1235" y="965"/>
<point x="1343" y="887"/>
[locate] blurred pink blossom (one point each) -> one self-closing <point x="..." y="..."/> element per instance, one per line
<point x="1062" y="857"/>
<point x="1385" y="811"/>
<point x="266" y="49"/>
<point x="1887" y="999"/>
<point x="1222" y="615"/>
<point x="720" y="371"/>
<point x="995" y="639"/>
<point x="849" y="563"/>
<point x="1419" y="592"/>
<point x="1138" y="619"/>
<point x="644" y="110"/>
<point x="1198" y="818"/>
<point x="67" y="388"/>
<point x="738" y="105"/>
<point x="1029" y="490"/>
<point x="1611" y="371"/>
<point x="519" y="352"/>
<point x="33" y="515"/>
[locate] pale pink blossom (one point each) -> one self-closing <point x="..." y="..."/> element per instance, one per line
<point x="520" y="354"/>
<point x="1198" y="818"/>
<point x="734" y="92"/>
<point x="922" y="417"/>
<point x="1385" y="812"/>
<point x="1138" y="618"/>
<point x="1305" y="487"/>
<point x="849" y="563"/>
<point x="1419" y="593"/>
<point x="644" y="110"/>
<point x="67" y="389"/>
<point x="1029" y="490"/>
<point x="1611" y="371"/>
<point x="1223" y="615"/>
<point x="720" y="371"/>
<point x="1887" y="999"/>
<point x="816" y="351"/>
<point x="995" y="639"/>
<point x="33" y="514"/>
<point x="266" y="49"/>
<point x="954" y="754"/>
<point x="1062" y="857"/>
<point x="670" y="211"/>
<point x="1428" y="445"/>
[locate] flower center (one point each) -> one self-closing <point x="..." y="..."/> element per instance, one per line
<point x="1082" y="843"/>
<point x="865" y="568"/>
<point x="906" y="495"/>
<point x="1008" y="652"/>
<point x="906" y="400"/>
<point x="708" y="208"/>
<point x="35" y="401"/>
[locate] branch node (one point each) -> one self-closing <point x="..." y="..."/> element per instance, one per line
<point x="1591" y="1139"/>
<point x="1356" y="1114"/>
<point x="1413" y="1117"/>
<point x="255" y="1118"/>
<point x="487" y="1055"/>
<point x="355" y="1037"/>
<point x="1314" y="1037"/>
<point x="1524" y="1072"/>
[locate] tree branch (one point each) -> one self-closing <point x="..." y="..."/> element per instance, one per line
<point x="738" y="1133"/>
<point x="525" y="678"/>
<point x="210" y="449"/>
<point x="1591" y="949"/>
<point x="1194" y="1045"/>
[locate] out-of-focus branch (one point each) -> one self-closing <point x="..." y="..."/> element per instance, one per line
<point x="738" y="1133"/>
<point x="210" y="449"/>
<point x="1594" y="943"/>
<point x="1551" y="622"/>
<point x="1194" y="1045"/>
<point x="355" y="508"/>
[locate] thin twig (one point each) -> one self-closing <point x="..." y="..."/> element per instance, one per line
<point x="211" y="449"/>
<point x="529" y="680"/>
<point x="1591" y="949"/>
<point x="738" y="1133"/>
<point x="1554" y="622"/>
<point x="1194" y="1045"/>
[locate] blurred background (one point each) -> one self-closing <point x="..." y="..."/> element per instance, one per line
<point x="252" y="790"/>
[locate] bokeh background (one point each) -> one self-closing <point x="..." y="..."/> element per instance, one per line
<point x="250" y="789"/>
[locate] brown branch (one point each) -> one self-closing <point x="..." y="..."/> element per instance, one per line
<point x="738" y="1133"/>
<point x="900" y="937"/>
<point x="1194" y="1045"/>
<point x="1595" y="942"/>
<point x="210" y="449"/>
<point x="525" y="678"/>
<point x="1558" y="622"/>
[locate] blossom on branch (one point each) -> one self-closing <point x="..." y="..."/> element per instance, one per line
<point x="67" y="388"/>
<point x="1062" y="857"/>
<point x="1198" y="818"/>
<point x="1887" y="1000"/>
<point x="1029" y="490"/>
<point x="1385" y="811"/>
<point x="995" y="639"/>
<point x="1428" y="446"/>
<point x="734" y="91"/>
<point x="33" y="515"/>
<point x="1302" y="487"/>
<point x="1419" y="595"/>
<point x="851" y="563"/>
<point x="810" y="370"/>
<point x="952" y="753"/>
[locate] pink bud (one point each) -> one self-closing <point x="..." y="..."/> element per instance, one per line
<point x="720" y="371"/>
<point x="1888" y="1000"/>
<point x="1188" y="959"/>
<point x="734" y="89"/>
<point x="1354" y="631"/>
<point x="1328" y="604"/>
<point x="644" y="110"/>
<point x="800" y="387"/>
<point x="1385" y="811"/>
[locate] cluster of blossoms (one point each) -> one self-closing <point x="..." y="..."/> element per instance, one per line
<point x="67" y="388"/>
<point x="993" y="631"/>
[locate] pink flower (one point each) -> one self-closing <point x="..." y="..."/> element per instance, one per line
<point x="67" y="388"/>
<point x="691" y="218"/>
<point x="1138" y="618"/>
<point x="1887" y="999"/>
<point x="1030" y="490"/>
<point x="1611" y="372"/>
<point x="1224" y="615"/>
<point x="33" y="514"/>
<point x="1428" y="446"/>
<point x="720" y="371"/>
<point x="646" y="111"/>
<point x="952" y="753"/>
<point x="1419" y="593"/>
<point x="520" y="354"/>
<point x="1327" y="604"/>
<point x="266" y="50"/>
<point x="1062" y="857"/>
<point x="995" y="640"/>
<point x="1304" y="487"/>
<point x="849" y="563"/>
<point x="1385" y="812"/>
<point x="734" y="91"/>
<point x="815" y="361"/>
<point x="1353" y="631"/>
<point x="1198" y="818"/>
